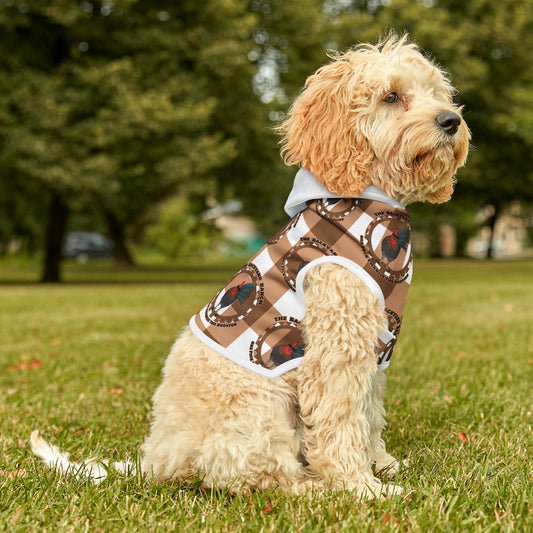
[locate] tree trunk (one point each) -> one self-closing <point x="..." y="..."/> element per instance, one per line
<point x="492" y="226"/>
<point x="115" y="228"/>
<point x="54" y="237"/>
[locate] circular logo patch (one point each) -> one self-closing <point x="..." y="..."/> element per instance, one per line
<point x="243" y="293"/>
<point x="299" y="255"/>
<point x="384" y="350"/>
<point x="336" y="209"/>
<point x="283" y="231"/>
<point x="280" y="343"/>
<point x="386" y="244"/>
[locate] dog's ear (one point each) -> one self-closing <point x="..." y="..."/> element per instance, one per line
<point x="323" y="134"/>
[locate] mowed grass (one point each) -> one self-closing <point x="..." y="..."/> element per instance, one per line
<point x="80" y="362"/>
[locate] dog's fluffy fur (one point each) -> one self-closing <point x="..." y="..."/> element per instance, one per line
<point x="318" y="426"/>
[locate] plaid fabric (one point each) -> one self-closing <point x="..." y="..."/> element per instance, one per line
<point x="255" y="319"/>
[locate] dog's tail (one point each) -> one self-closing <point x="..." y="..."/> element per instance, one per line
<point x="95" y="470"/>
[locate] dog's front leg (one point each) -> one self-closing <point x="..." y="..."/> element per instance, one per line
<point x="379" y="456"/>
<point x="342" y="322"/>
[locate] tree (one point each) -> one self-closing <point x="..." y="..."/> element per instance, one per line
<point x="123" y="105"/>
<point x="286" y="46"/>
<point x="101" y="105"/>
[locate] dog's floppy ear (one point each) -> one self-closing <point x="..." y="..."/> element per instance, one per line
<point x="322" y="131"/>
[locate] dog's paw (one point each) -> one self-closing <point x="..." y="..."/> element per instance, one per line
<point x="379" y="490"/>
<point x="392" y="489"/>
<point x="389" y="466"/>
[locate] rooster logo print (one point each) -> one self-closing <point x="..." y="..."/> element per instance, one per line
<point x="280" y="343"/>
<point x="238" y="293"/>
<point x="283" y="353"/>
<point x="391" y="245"/>
<point x="241" y="296"/>
<point x="386" y="245"/>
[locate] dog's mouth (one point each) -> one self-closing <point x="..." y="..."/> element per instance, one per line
<point x="448" y="153"/>
<point x="419" y="161"/>
<point x="437" y="162"/>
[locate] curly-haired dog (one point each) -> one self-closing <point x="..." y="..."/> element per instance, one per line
<point x="279" y="381"/>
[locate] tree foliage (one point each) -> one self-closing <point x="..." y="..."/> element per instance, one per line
<point x="179" y="232"/>
<point x="122" y="104"/>
<point x="117" y="105"/>
<point x="108" y="105"/>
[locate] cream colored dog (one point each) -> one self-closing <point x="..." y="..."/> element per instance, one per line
<point x="377" y="116"/>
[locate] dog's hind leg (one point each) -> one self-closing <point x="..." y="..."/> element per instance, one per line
<point x="215" y="419"/>
<point x="341" y="327"/>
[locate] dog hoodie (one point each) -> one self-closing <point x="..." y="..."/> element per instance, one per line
<point x="255" y="319"/>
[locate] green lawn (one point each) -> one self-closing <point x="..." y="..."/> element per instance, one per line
<point x="80" y="362"/>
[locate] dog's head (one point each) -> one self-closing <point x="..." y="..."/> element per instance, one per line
<point x="379" y="115"/>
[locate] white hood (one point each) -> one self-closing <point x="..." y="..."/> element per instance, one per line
<point x="306" y="187"/>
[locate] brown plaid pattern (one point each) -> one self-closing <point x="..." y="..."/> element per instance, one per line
<point x="255" y="319"/>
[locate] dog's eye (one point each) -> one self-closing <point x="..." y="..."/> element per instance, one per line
<point x="391" y="98"/>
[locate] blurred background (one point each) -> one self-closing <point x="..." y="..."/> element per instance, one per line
<point x="142" y="131"/>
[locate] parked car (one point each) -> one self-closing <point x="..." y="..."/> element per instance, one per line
<point x="87" y="245"/>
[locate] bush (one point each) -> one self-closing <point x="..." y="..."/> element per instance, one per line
<point x="180" y="233"/>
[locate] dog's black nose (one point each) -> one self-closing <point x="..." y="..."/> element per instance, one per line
<point x="449" y="122"/>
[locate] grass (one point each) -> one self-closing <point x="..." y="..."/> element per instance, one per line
<point x="81" y="361"/>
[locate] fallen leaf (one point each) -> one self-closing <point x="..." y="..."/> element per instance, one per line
<point x="448" y="400"/>
<point x="508" y="307"/>
<point x="459" y="355"/>
<point x="385" y="519"/>
<point x="117" y="391"/>
<point x="267" y="509"/>
<point x="25" y="365"/>
<point x="462" y="436"/>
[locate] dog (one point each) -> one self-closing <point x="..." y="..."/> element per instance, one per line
<point x="286" y="390"/>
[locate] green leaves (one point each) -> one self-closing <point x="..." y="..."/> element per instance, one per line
<point x="180" y="233"/>
<point x="121" y="105"/>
